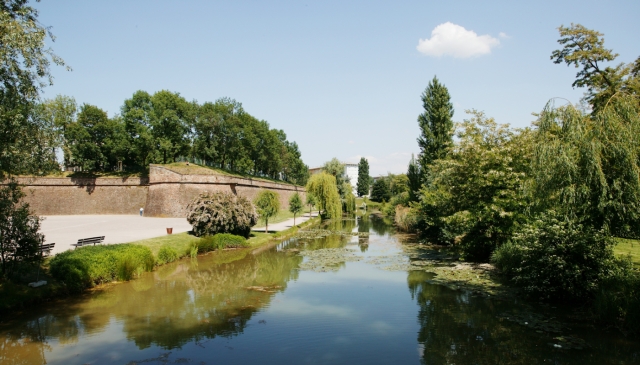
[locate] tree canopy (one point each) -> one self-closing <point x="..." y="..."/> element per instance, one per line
<point x="364" y="179"/>
<point x="268" y="205"/>
<point x="436" y="124"/>
<point x="324" y="191"/>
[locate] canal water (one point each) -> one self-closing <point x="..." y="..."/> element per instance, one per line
<point x="310" y="300"/>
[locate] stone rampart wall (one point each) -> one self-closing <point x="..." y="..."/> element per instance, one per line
<point x="72" y="196"/>
<point x="164" y="193"/>
<point x="171" y="192"/>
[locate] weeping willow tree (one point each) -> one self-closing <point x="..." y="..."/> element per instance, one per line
<point x="587" y="167"/>
<point x="323" y="188"/>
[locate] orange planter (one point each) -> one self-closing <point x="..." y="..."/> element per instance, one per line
<point x="169" y="230"/>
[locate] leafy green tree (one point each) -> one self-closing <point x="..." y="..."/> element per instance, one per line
<point x="414" y="176"/>
<point x="268" y="204"/>
<point x="137" y="116"/>
<point x="19" y="237"/>
<point x="311" y="201"/>
<point x="363" y="177"/>
<point x="584" y="48"/>
<point x="398" y="184"/>
<point x="59" y="113"/>
<point x="587" y="167"/>
<point x="324" y="190"/>
<point x="24" y="71"/>
<point x="336" y="168"/>
<point x="474" y="198"/>
<point x="172" y="118"/>
<point x="380" y="190"/>
<point x="295" y="206"/>
<point x="436" y="124"/>
<point x="96" y="142"/>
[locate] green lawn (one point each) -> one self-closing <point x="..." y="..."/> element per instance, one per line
<point x="629" y="247"/>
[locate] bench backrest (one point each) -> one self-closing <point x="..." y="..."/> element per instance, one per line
<point x="92" y="240"/>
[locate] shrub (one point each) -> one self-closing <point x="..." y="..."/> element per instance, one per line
<point x="617" y="300"/>
<point x="88" y="266"/>
<point x="167" y="254"/>
<point x="558" y="259"/>
<point x="220" y="241"/>
<point x="220" y="212"/>
<point x="405" y="218"/>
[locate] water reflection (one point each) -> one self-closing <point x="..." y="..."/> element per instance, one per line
<point x="180" y="303"/>
<point x="358" y="312"/>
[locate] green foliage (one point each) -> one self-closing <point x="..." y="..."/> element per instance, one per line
<point x="405" y="218"/>
<point x="337" y="169"/>
<point x="310" y="201"/>
<point x="401" y="199"/>
<point x="323" y="188"/>
<point x="96" y="143"/>
<point x="584" y="48"/>
<point x="228" y="137"/>
<point x="19" y="237"/>
<point x="295" y="206"/>
<point x="617" y="300"/>
<point x="167" y="254"/>
<point x="414" y="175"/>
<point x="436" y="124"/>
<point x="380" y="190"/>
<point x="349" y="203"/>
<point x="221" y="241"/>
<point x="587" y="167"/>
<point x="88" y="266"/>
<point x="474" y="197"/>
<point x="268" y="205"/>
<point x="558" y="259"/>
<point x="25" y="142"/>
<point x="364" y="179"/>
<point x="221" y="212"/>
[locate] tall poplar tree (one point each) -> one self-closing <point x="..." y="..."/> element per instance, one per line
<point x="363" y="177"/>
<point x="436" y="124"/>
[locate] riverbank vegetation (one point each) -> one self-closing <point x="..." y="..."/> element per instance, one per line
<point x="547" y="204"/>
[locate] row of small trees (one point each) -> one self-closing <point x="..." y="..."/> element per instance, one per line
<point x="222" y="212"/>
<point x="163" y="127"/>
<point x="543" y="203"/>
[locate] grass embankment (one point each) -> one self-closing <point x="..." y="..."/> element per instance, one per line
<point x="626" y="247"/>
<point x="195" y="169"/>
<point x="95" y="265"/>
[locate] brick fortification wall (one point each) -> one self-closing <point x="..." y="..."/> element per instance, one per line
<point x="171" y="192"/>
<point x="71" y="196"/>
<point x="164" y="193"/>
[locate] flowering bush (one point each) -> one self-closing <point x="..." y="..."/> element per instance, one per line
<point x="219" y="212"/>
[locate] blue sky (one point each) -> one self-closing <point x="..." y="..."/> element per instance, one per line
<point x="341" y="78"/>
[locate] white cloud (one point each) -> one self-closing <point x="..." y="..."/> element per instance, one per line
<point x="503" y="35"/>
<point x="454" y="40"/>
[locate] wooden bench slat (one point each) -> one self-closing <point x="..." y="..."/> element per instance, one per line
<point x="88" y="241"/>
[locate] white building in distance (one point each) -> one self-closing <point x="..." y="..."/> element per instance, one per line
<point x="350" y="172"/>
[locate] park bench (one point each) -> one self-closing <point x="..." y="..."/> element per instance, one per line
<point x="88" y="241"/>
<point x="46" y="248"/>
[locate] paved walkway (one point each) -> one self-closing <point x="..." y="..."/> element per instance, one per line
<point x="67" y="229"/>
<point x="281" y="226"/>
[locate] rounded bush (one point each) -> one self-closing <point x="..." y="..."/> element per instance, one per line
<point x="556" y="259"/>
<point x="220" y="212"/>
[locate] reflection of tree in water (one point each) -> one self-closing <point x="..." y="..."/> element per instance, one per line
<point x="177" y="304"/>
<point x="458" y="328"/>
<point x="381" y="226"/>
<point x="25" y="346"/>
<point x="364" y="223"/>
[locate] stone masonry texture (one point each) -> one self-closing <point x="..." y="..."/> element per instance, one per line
<point x="165" y="193"/>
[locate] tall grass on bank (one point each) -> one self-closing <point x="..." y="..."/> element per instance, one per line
<point x="89" y="266"/>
